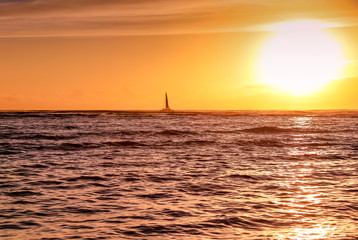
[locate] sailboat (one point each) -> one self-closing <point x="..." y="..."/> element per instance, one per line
<point x="167" y="108"/>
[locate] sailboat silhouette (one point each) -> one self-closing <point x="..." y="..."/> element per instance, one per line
<point x="167" y="108"/>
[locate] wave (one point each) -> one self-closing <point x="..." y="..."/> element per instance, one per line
<point x="176" y="132"/>
<point x="199" y="142"/>
<point x="207" y="189"/>
<point x="154" y="229"/>
<point x="273" y="130"/>
<point x="6" y="185"/>
<point x="35" y="166"/>
<point x="234" y="221"/>
<point x="45" y="137"/>
<point x="124" y="143"/>
<point x="224" y="131"/>
<point x="22" y="193"/>
<point x="30" y="223"/>
<point x="22" y="202"/>
<point x="74" y="146"/>
<point x="198" y="228"/>
<point x="250" y="177"/>
<point x="281" y="144"/>
<point x="266" y="129"/>
<point x="21" y="147"/>
<point x="263" y="143"/>
<point x="11" y="226"/>
<point x="155" y="195"/>
<point x="35" y="136"/>
<point x="9" y="152"/>
<point x="317" y="144"/>
<point x="131" y="179"/>
<point x="45" y="182"/>
<point x="85" y="178"/>
<point x="86" y="211"/>
<point x="176" y="214"/>
<point x="48" y="114"/>
<point x="162" y="179"/>
<point x="243" y="176"/>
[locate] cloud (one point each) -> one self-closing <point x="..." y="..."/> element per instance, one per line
<point x="26" y="18"/>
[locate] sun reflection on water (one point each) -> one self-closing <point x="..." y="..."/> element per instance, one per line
<point x="303" y="138"/>
<point x="303" y="203"/>
<point x="315" y="232"/>
<point x="302" y="200"/>
<point x="302" y="121"/>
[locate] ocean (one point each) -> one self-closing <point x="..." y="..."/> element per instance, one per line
<point x="179" y="175"/>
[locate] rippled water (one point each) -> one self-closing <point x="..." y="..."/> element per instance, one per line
<point x="193" y="175"/>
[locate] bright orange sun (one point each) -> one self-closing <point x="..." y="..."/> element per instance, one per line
<point x="301" y="58"/>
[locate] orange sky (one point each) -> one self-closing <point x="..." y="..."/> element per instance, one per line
<point x="124" y="54"/>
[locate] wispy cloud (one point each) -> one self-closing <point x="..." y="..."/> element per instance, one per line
<point x="19" y="18"/>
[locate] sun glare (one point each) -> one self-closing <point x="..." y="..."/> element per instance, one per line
<point x="301" y="58"/>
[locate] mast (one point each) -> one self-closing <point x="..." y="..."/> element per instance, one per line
<point x="166" y="101"/>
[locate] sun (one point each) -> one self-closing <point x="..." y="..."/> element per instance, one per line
<point x="300" y="58"/>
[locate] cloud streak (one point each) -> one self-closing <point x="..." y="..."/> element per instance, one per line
<point x="29" y="18"/>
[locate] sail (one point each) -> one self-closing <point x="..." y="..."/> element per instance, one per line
<point x="166" y="101"/>
<point x="167" y="108"/>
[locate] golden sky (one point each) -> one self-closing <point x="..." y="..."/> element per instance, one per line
<point x="124" y="54"/>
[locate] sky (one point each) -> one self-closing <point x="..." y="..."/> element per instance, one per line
<point x="125" y="54"/>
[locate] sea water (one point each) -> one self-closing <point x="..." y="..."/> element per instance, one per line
<point x="180" y="175"/>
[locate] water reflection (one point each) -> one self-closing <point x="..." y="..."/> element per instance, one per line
<point x="302" y="122"/>
<point x="179" y="176"/>
<point x="303" y="140"/>
<point x="303" y="200"/>
<point x="320" y="231"/>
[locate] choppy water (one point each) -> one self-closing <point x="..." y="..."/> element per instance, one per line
<point x="218" y="175"/>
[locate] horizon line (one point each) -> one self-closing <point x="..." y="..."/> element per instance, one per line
<point x="177" y="110"/>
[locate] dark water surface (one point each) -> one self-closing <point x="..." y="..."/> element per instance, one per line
<point x="208" y="175"/>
